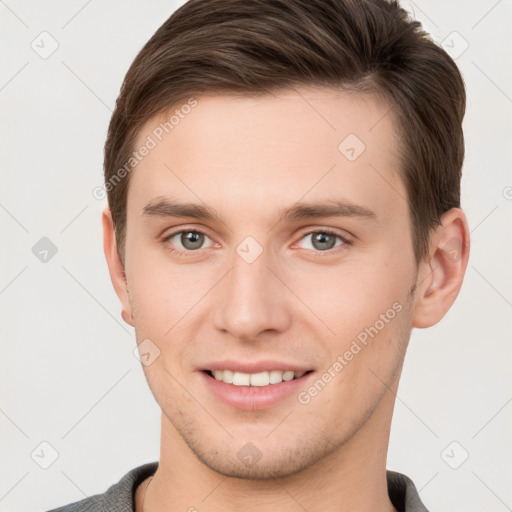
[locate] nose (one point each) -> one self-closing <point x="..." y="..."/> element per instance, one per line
<point x="252" y="299"/>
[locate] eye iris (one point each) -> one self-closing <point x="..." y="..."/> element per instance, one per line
<point x="323" y="238"/>
<point x="192" y="239"/>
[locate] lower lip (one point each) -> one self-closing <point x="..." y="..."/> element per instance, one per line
<point x="253" y="398"/>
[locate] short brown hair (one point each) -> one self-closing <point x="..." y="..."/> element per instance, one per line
<point x="253" y="47"/>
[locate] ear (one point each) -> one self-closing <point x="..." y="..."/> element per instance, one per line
<point x="115" y="266"/>
<point x="440" y="275"/>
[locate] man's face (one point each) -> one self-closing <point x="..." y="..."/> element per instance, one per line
<point x="250" y="285"/>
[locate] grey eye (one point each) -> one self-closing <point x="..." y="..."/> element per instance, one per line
<point x="187" y="240"/>
<point x="191" y="240"/>
<point x="323" y="240"/>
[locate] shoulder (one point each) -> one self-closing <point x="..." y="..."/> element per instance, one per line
<point x="403" y="493"/>
<point x="119" y="497"/>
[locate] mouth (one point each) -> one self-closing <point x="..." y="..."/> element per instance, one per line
<point x="259" y="379"/>
<point x="255" y="391"/>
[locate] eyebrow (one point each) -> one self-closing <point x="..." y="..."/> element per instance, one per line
<point x="162" y="207"/>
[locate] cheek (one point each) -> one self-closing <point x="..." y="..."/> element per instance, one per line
<point x="153" y="281"/>
<point x="349" y="298"/>
<point x="167" y="300"/>
<point x="163" y="301"/>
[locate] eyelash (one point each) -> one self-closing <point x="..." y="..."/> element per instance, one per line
<point x="328" y="252"/>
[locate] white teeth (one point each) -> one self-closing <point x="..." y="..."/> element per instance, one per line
<point x="241" y="379"/>
<point x="288" y="375"/>
<point x="255" y="379"/>
<point x="275" y="377"/>
<point x="260" y="379"/>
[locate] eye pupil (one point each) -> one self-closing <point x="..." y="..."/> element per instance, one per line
<point x="192" y="240"/>
<point x="323" y="238"/>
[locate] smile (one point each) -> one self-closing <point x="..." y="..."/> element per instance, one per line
<point x="259" y="379"/>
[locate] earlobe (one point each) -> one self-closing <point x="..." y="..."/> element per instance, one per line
<point x="441" y="275"/>
<point x="115" y="266"/>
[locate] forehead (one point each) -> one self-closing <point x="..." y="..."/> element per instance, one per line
<point x="272" y="149"/>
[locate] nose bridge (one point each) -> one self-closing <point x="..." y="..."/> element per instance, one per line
<point x="252" y="299"/>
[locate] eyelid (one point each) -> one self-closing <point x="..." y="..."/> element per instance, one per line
<point x="184" y="228"/>
<point x="346" y="237"/>
<point x="346" y="241"/>
<point x="166" y="238"/>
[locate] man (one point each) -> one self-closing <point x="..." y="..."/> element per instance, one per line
<point x="284" y="207"/>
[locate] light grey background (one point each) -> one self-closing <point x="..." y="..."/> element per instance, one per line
<point x="68" y="373"/>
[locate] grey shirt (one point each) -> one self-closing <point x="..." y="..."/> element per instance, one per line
<point x="120" y="497"/>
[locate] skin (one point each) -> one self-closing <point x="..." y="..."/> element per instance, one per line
<point x="249" y="158"/>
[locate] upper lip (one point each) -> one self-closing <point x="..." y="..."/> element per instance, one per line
<point x="255" y="367"/>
